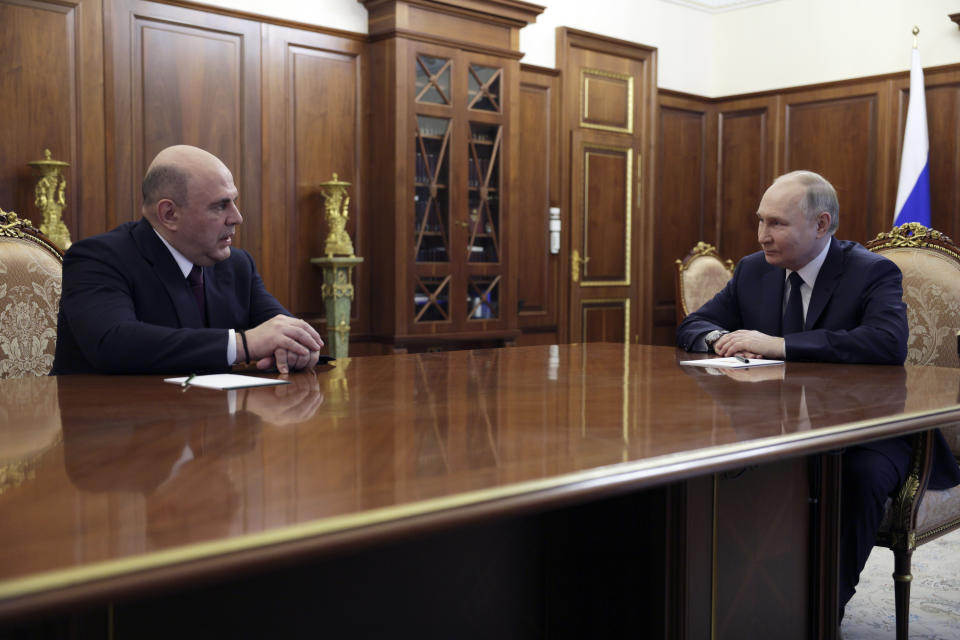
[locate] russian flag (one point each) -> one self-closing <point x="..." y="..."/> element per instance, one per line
<point x="913" y="192"/>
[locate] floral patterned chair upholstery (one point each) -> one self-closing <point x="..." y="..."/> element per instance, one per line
<point x="701" y="275"/>
<point x="30" y="275"/>
<point x="930" y="263"/>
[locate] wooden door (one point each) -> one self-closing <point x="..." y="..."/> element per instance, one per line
<point x="609" y="103"/>
<point x="601" y="234"/>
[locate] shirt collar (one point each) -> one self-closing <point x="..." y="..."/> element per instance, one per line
<point x="811" y="270"/>
<point x="185" y="265"/>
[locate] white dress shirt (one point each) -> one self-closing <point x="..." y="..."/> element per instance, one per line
<point x="808" y="273"/>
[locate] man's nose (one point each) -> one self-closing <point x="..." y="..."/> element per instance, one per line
<point x="762" y="236"/>
<point x="234" y="218"/>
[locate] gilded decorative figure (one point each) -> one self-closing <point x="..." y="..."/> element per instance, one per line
<point x="337" y="264"/>
<point x="337" y="210"/>
<point x="50" y="199"/>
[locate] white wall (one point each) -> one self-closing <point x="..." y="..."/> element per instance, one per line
<point x="768" y="46"/>
<point x="796" y="42"/>
<point x="684" y="37"/>
<point x="348" y="15"/>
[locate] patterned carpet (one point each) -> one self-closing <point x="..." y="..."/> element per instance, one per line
<point x="934" y="594"/>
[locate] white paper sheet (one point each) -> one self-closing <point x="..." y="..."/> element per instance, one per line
<point x="226" y="381"/>
<point x="729" y="363"/>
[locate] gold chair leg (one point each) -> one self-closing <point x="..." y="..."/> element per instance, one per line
<point x="901" y="586"/>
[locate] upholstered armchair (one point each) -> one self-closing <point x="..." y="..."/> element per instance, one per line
<point x="30" y="276"/>
<point x="699" y="276"/>
<point x="930" y="263"/>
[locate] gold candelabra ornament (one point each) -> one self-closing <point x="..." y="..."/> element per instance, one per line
<point x="337" y="264"/>
<point x="50" y="200"/>
<point x="337" y="210"/>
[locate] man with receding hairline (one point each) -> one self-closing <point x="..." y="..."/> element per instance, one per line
<point x="169" y="293"/>
<point x="807" y="296"/>
<point x="851" y="307"/>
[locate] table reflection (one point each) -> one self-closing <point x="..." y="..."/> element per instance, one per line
<point x="801" y="396"/>
<point x="176" y="448"/>
<point x="29" y="427"/>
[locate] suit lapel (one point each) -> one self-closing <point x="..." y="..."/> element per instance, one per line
<point x="154" y="252"/>
<point x="826" y="283"/>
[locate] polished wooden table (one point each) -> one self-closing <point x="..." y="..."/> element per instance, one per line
<point x="511" y="491"/>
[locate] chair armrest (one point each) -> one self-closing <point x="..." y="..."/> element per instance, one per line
<point x="906" y="502"/>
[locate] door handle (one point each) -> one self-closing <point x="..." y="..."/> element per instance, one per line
<point x="575" y="262"/>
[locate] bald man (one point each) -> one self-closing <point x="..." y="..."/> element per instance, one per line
<point x="169" y="293"/>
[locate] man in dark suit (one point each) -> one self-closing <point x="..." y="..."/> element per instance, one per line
<point x="808" y="296"/>
<point x="167" y="293"/>
<point x="855" y="313"/>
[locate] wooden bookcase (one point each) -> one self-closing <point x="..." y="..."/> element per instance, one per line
<point x="444" y="91"/>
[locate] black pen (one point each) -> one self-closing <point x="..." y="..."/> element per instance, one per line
<point x="186" y="383"/>
<point x="741" y="359"/>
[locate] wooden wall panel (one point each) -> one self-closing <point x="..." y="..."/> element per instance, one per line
<point x="744" y="171"/>
<point x="839" y="138"/>
<point x="51" y="74"/>
<point x="684" y="208"/>
<point x="538" y="285"/>
<point x="313" y="109"/>
<point x="176" y="98"/>
<point x="182" y="76"/>
<point x="943" y="118"/>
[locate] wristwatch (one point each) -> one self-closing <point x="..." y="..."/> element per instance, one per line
<point x="712" y="337"/>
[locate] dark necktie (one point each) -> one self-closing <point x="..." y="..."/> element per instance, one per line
<point x="195" y="278"/>
<point x="793" y="316"/>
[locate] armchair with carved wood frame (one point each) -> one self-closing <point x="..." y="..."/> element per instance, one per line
<point x="31" y="270"/>
<point x="700" y="276"/>
<point x="930" y="263"/>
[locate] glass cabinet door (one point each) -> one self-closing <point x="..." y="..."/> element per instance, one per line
<point x="432" y="190"/>
<point x="484" y="251"/>
<point x="483" y="187"/>
<point x="458" y="254"/>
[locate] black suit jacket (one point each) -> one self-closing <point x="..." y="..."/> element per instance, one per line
<point x="126" y="307"/>
<point x="856" y="312"/>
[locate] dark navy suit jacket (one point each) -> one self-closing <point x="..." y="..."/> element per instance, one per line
<point x="126" y="307"/>
<point x="856" y="315"/>
<point x="856" y="312"/>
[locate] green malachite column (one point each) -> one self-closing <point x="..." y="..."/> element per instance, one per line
<point x="337" y="293"/>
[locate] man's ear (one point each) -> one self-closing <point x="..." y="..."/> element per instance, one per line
<point x="168" y="214"/>
<point x="823" y="223"/>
